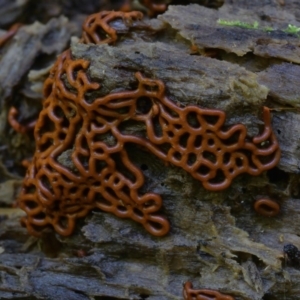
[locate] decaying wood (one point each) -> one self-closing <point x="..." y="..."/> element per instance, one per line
<point x="216" y="241"/>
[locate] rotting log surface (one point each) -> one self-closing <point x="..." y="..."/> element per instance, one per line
<point x="216" y="241"/>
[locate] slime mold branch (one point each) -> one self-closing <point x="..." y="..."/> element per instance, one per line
<point x="96" y="27"/>
<point x="154" y="8"/>
<point x="74" y="170"/>
<point x="190" y="294"/>
<point x="15" y="124"/>
<point x="10" y="33"/>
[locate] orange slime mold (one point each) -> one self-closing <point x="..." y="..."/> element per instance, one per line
<point x="153" y="7"/>
<point x="96" y="27"/>
<point x="10" y="33"/>
<point x="190" y="294"/>
<point x="15" y="124"/>
<point x="81" y="162"/>
<point x="267" y="207"/>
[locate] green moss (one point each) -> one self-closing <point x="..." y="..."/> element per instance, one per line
<point x="268" y="29"/>
<point x="292" y="29"/>
<point x="239" y="24"/>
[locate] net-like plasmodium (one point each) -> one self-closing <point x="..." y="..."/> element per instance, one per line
<point x="81" y="162"/>
<point x="97" y="30"/>
<point x="190" y="294"/>
<point x="56" y="194"/>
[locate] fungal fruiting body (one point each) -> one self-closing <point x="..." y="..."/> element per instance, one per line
<point x="81" y="162"/>
<point x="190" y="294"/>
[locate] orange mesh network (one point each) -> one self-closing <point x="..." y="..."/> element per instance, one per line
<point x="81" y="162"/>
<point x="190" y="294"/>
<point x="96" y="28"/>
<point x="57" y="194"/>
